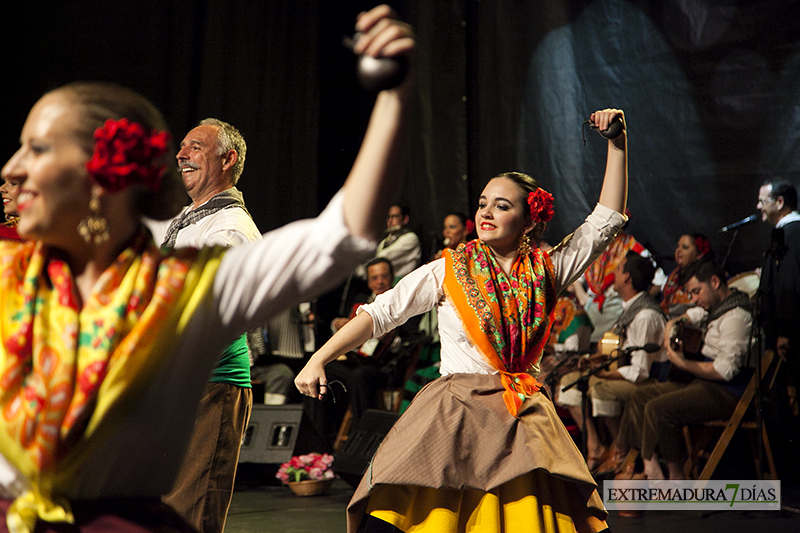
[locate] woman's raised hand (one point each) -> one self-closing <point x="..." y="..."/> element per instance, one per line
<point x="381" y="34"/>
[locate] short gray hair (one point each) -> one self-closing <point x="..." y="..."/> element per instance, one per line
<point x="229" y="138"/>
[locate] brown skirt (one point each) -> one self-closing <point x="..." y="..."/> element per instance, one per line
<point x="457" y="435"/>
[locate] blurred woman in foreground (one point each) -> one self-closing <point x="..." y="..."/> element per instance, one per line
<point x="107" y="341"/>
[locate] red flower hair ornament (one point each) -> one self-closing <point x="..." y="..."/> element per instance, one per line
<point x="125" y="154"/>
<point x="469" y="227"/>
<point x="703" y="245"/>
<point x="541" y="203"/>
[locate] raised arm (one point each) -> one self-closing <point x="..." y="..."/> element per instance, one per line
<point x="305" y="258"/>
<point x="614" y="193"/>
<point x="374" y="179"/>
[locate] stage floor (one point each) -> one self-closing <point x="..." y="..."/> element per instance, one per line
<point x="274" y="509"/>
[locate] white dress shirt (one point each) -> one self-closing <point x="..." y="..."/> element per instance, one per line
<point x="645" y="328"/>
<point x="725" y="341"/>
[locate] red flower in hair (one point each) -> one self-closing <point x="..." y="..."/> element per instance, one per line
<point x="125" y="155"/>
<point x="469" y="227"/>
<point x="541" y="203"/>
<point x="703" y="245"/>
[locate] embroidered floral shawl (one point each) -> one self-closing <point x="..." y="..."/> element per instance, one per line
<point x="506" y="317"/>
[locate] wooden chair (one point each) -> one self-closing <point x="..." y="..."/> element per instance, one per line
<point x="697" y="450"/>
<point x="414" y="351"/>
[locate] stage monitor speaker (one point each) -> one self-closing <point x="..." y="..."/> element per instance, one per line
<point x="278" y="432"/>
<point x="362" y="442"/>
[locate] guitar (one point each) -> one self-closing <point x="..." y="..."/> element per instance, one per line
<point x="687" y="338"/>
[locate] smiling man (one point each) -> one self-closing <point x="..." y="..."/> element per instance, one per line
<point x="211" y="159"/>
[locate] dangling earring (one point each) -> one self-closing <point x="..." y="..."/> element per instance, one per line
<point x="524" y="245"/>
<point x="94" y="228"/>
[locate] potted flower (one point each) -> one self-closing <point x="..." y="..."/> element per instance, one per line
<point x="307" y="474"/>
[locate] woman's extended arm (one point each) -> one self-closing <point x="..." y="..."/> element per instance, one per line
<point x="375" y="176"/>
<point x="311" y="381"/>
<point x="416" y="293"/>
<point x="614" y="193"/>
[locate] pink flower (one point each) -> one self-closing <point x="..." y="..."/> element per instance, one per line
<point x="308" y="466"/>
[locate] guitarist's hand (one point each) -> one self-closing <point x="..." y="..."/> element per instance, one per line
<point x="669" y="330"/>
<point x="676" y="357"/>
<point x="587" y="361"/>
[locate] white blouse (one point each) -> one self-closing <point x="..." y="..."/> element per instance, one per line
<point x="254" y="282"/>
<point x="422" y="290"/>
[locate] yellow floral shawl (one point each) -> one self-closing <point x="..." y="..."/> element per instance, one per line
<point x="63" y="369"/>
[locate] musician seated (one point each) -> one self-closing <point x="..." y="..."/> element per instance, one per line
<point x="698" y="391"/>
<point x="675" y="299"/>
<point x="364" y="371"/>
<point x="641" y="323"/>
<point x="380" y="276"/>
<point x="569" y="338"/>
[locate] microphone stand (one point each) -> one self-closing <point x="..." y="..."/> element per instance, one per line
<point x="345" y="294"/>
<point x="730" y="246"/>
<point x="583" y="385"/>
<point x="552" y="375"/>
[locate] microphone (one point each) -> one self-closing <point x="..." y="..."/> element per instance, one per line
<point x="650" y="347"/>
<point x="743" y="222"/>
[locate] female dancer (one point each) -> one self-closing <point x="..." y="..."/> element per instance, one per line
<point x="690" y="249"/>
<point x="479" y="445"/>
<point x="105" y="341"/>
<point x="9" y="191"/>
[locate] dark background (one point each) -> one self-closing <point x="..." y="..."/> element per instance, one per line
<point x="711" y="90"/>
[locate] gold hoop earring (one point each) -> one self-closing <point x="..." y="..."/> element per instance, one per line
<point x="94" y="228"/>
<point x="524" y="245"/>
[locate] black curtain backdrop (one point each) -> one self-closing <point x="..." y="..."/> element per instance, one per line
<point x="251" y="63"/>
<point x="711" y="90"/>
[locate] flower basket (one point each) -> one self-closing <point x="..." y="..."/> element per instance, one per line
<point x="308" y="474"/>
<point x="310" y="487"/>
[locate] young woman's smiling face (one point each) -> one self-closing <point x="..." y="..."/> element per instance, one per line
<point x="50" y="166"/>
<point x="9" y="190"/>
<point x="502" y="217"/>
